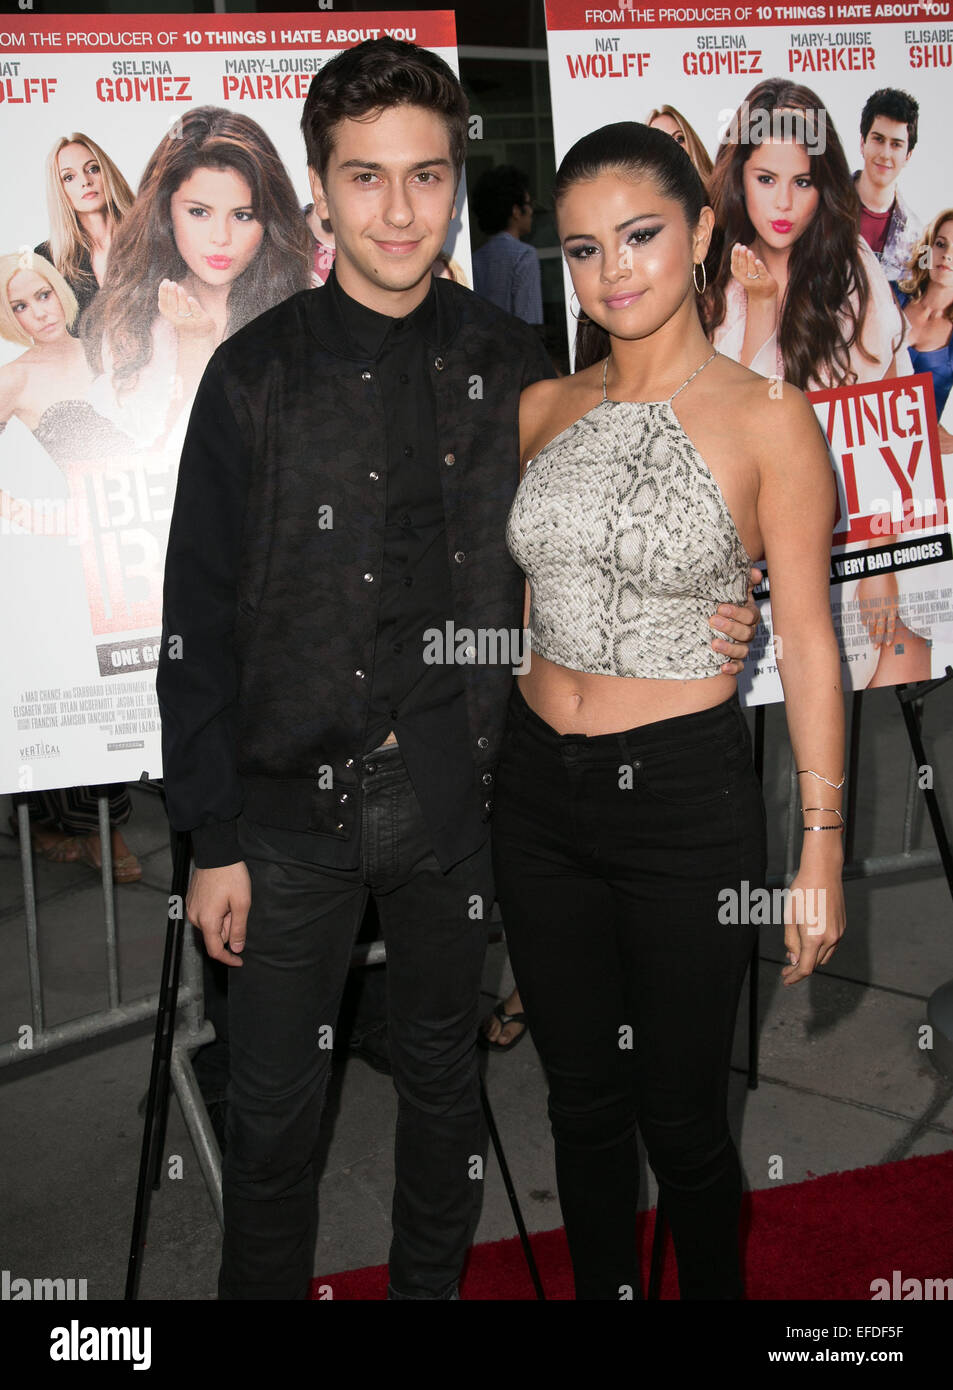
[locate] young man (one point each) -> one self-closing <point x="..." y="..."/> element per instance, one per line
<point x="505" y="269"/>
<point x="888" y="135"/>
<point x="344" y="487"/>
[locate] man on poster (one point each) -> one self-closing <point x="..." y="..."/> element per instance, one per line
<point x="343" y="490"/>
<point x="888" y="136"/>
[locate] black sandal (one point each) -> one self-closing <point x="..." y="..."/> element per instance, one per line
<point x="505" y="1018"/>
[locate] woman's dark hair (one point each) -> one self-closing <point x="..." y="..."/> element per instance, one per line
<point x="372" y="76"/>
<point x="896" y="106"/>
<point x="144" y="250"/>
<point x="497" y="191"/>
<point x="639" y="152"/>
<point x="818" y="324"/>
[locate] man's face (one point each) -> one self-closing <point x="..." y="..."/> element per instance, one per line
<point x="885" y="151"/>
<point x="388" y="192"/>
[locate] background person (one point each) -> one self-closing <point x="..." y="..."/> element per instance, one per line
<point x="506" y="270"/>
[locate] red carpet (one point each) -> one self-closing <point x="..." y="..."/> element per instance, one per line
<point x="827" y="1238"/>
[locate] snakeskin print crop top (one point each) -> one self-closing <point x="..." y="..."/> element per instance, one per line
<point x="627" y="543"/>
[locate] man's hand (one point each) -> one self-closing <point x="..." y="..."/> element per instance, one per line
<point x="218" y="902"/>
<point x="738" y="625"/>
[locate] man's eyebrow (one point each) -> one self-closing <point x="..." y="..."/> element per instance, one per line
<point x="371" y="164"/>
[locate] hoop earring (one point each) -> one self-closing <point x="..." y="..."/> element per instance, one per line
<point x="582" y="314"/>
<point x="704" y="283"/>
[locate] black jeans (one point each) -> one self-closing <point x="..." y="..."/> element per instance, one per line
<point x="302" y="926"/>
<point x="609" y="854"/>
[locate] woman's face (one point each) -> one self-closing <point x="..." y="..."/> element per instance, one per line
<point x="36" y="306"/>
<point x="82" y="178"/>
<point x="670" y="126"/>
<point x="215" y="229"/>
<point x="629" y="252"/>
<point x="941" y="256"/>
<point x="780" y="194"/>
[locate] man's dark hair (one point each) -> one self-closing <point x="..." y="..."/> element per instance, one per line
<point x="896" y="106"/>
<point x="496" y="192"/>
<point x="373" y="76"/>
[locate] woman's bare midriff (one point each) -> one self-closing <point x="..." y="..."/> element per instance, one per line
<point x="575" y="702"/>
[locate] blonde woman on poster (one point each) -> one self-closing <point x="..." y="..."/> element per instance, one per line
<point x="87" y="198"/>
<point x="674" y="123"/>
<point x="627" y="806"/>
<point x="797" y="295"/>
<point x="925" y="294"/>
<point x="214" y="238"/>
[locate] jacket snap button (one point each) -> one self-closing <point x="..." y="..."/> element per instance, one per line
<point x="459" y="556"/>
<point x="449" y="459"/>
<point x="438" y="363"/>
<point x="483" y="742"/>
<point x="365" y="376"/>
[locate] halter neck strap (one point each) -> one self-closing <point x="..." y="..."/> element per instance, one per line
<point x="605" y="372"/>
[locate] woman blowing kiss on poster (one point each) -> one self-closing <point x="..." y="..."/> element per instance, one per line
<point x="214" y="238"/>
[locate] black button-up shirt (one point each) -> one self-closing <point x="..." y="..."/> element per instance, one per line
<point x="424" y="704"/>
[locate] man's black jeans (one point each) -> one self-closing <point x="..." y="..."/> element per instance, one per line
<point x="301" y="929"/>
<point x="610" y="855"/>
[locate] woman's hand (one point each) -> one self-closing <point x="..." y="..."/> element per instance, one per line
<point x="752" y="274"/>
<point x="737" y="627"/>
<point x="183" y="312"/>
<point x="814" y="916"/>
<point x="877" y="599"/>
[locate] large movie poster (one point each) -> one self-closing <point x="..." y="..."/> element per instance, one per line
<point x="718" y="79"/>
<point x="156" y="200"/>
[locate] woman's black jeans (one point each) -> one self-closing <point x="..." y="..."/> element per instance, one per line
<point x="609" y="855"/>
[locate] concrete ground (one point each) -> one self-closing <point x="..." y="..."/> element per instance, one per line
<point x="843" y="1081"/>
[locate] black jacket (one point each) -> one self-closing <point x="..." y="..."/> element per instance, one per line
<point x="268" y="625"/>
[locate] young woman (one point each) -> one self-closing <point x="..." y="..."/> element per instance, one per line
<point x="87" y="198"/>
<point x="796" y="292"/>
<point x="674" y="123"/>
<point x="926" y="296"/>
<point x="214" y="238"/>
<point x="628" y="821"/>
<point x="44" y="388"/>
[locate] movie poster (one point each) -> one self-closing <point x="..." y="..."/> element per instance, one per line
<point x="887" y="412"/>
<point x="126" y="256"/>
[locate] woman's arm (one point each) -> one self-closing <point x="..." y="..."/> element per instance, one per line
<point x="796" y="505"/>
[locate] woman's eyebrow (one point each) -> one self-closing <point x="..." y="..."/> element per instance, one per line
<point x="591" y="236"/>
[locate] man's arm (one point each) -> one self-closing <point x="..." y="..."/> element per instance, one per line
<point x="197" y="679"/>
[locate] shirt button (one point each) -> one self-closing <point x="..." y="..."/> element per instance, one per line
<point x="408" y="581"/>
<point x="459" y="556"/>
<point x="368" y="579"/>
<point x="339" y="828"/>
<point x="487" y="778"/>
<point x="408" y="451"/>
<point x="374" y="476"/>
<point x="405" y="520"/>
<point x="343" y="796"/>
<point x="360" y="675"/>
<point x="348" y="762"/>
<point x="438" y="363"/>
<point x="365" y="376"/>
<point x="449" y="459"/>
<point x="370" y="768"/>
<point x="483" y="742"/>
